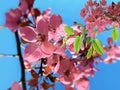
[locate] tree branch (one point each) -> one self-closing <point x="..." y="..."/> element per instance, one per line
<point x="21" y="61"/>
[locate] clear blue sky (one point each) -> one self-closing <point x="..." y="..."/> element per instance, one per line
<point x="107" y="78"/>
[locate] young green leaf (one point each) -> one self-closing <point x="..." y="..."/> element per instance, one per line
<point x="77" y="43"/>
<point x="115" y="34"/>
<point x="69" y="30"/>
<point x="88" y="39"/>
<point x="89" y="53"/>
<point x="98" y="46"/>
<point x="96" y="32"/>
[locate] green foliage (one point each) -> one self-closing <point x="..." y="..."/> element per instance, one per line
<point x="89" y="53"/>
<point x="88" y="40"/>
<point x="77" y="44"/>
<point x="98" y="46"/>
<point x="69" y="30"/>
<point x="115" y="34"/>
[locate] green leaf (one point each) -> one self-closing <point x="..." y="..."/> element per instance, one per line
<point x="88" y="40"/>
<point x="96" y="32"/>
<point x="89" y="53"/>
<point x="115" y="34"/>
<point x="77" y="44"/>
<point x="98" y="46"/>
<point x="69" y="30"/>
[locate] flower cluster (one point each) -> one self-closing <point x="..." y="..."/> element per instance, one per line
<point x="99" y="15"/>
<point x="46" y="40"/>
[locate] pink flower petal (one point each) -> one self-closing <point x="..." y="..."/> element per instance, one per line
<point x="47" y="48"/>
<point x="42" y="27"/>
<point x="32" y="52"/>
<point x="30" y="3"/>
<point x="84" y="12"/>
<point x="16" y="86"/>
<point x="55" y="21"/>
<point x="60" y="31"/>
<point x="54" y="62"/>
<point x="66" y="80"/>
<point x="68" y="87"/>
<point x="82" y="84"/>
<point x="28" y="34"/>
<point x="12" y="19"/>
<point x="23" y="6"/>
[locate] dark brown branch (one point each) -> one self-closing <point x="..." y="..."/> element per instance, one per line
<point x="21" y="61"/>
<point x="40" y="69"/>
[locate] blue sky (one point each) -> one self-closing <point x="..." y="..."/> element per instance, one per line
<point x="106" y="79"/>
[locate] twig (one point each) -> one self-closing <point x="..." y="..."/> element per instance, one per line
<point x="8" y="55"/>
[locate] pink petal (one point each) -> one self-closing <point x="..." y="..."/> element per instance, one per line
<point x="65" y="80"/>
<point x="42" y="27"/>
<point x="47" y="48"/>
<point x="110" y="41"/>
<point x="32" y="52"/>
<point x="12" y="19"/>
<point x="77" y="75"/>
<point x="51" y="35"/>
<point x="30" y="3"/>
<point x="61" y="51"/>
<point x="69" y="44"/>
<point x="54" y="62"/>
<point x="68" y="87"/>
<point x="82" y="84"/>
<point x="55" y="21"/>
<point x="60" y="31"/>
<point x="28" y="34"/>
<point x="23" y="6"/>
<point x="83" y="12"/>
<point x="27" y="65"/>
<point x="117" y="52"/>
<point x="57" y="67"/>
<point x="46" y="14"/>
<point x="16" y="86"/>
<point x="109" y="60"/>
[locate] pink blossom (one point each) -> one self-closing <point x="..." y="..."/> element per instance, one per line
<point x="54" y="62"/>
<point x="84" y="12"/>
<point x="27" y="65"/>
<point x="70" y="44"/>
<point x="103" y="2"/>
<point x="47" y="14"/>
<point x="56" y="28"/>
<point x="112" y="52"/>
<point x="23" y="6"/>
<point x="30" y="3"/>
<point x="55" y="21"/>
<point x="68" y="72"/>
<point x="16" y="86"/>
<point x="12" y="19"/>
<point x="101" y="24"/>
<point x="87" y="68"/>
<point x="26" y="5"/>
<point x="82" y="84"/>
<point x="54" y="24"/>
<point x="39" y="46"/>
<point x="90" y="27"/>
<point x="90" y="18"/>
<point x="15" y="17"/>
<point x="90" y="3"/>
